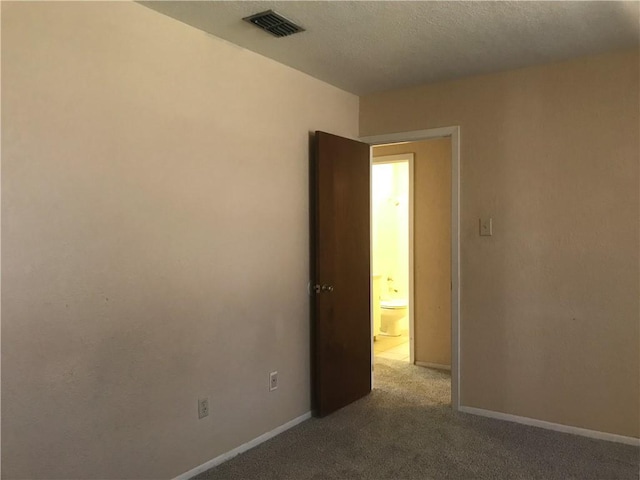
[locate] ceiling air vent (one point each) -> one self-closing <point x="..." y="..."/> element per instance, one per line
<point x="274" y="23"/>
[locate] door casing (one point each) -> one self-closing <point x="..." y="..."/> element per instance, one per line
<point x="415" y="136"/>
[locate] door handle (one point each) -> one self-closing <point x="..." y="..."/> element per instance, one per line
<point x="322" y="288"/>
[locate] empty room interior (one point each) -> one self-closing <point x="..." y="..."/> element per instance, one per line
<point x="167" y="168"/>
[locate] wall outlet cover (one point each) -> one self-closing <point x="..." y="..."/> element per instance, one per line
<point x="203" y="407"/>
<point x="273" y="381"/>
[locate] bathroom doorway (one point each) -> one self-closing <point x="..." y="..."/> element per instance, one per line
<point x="431" y="299"/>
<point x="350" y="155"/>
<point x="391" y="256"/>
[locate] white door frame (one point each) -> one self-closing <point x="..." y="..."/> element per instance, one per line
<point x="416" y="136"/>
<point x="409" y="158"/>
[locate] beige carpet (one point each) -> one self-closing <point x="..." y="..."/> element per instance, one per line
<point x="405" y="429"/>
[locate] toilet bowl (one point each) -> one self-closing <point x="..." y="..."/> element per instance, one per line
<point x="392" y="314"/>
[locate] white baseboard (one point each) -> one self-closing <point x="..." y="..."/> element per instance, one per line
<point x="437" y="366"/>
<point x="214" y="462"/>
<point x="610" y="437"/>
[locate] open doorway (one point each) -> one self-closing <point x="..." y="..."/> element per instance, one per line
<point x="341" y="267"/>
<point x="433" y="284"/>
<point x="391" y="261"/>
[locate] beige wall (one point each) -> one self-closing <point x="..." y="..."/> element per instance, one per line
<point x="155" y="240"/>
<point x="432" y="246"/>
<point x="550" y="302"/>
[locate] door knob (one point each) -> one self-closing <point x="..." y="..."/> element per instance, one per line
<point x="323" y="288"/>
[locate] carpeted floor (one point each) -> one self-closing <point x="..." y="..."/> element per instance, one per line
<point x="405" y="429"/>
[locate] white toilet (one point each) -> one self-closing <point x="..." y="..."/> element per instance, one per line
<point x="392" y="313"/>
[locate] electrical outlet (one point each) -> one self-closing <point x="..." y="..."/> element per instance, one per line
<point x="203" y="407"/>
<point x="273" y="381"/>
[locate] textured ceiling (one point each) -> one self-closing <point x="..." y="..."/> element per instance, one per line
<point x="369" y="46"/>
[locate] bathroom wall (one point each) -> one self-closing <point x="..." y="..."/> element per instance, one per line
<point x="390" y="226"/>
<point x="383" y="235"/>
<point x="432" y="246"/>
<point x="154" y="240"/>
<point x="549" y="303"/>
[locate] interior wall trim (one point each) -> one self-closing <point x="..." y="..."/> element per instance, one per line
<point x="214" y="462"/>
<point x="558" y="427"/>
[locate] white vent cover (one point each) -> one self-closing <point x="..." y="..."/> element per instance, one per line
<point x="274" y="23"/>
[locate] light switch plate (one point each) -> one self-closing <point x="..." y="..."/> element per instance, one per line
<point x="486" y="227"/>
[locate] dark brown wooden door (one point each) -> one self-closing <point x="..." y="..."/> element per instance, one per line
<point x="341" y="317"/>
